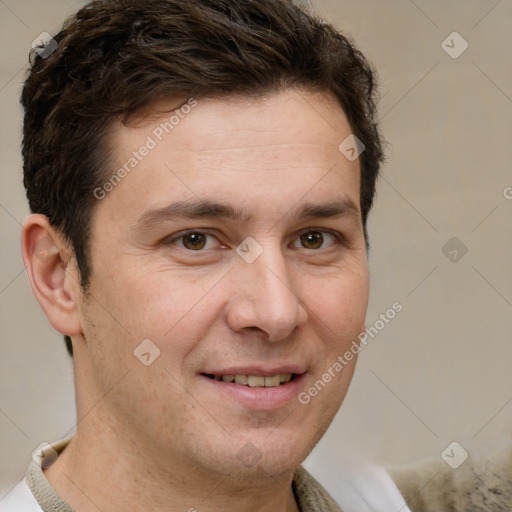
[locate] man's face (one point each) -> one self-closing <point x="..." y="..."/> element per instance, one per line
<point x="267" y="292"/>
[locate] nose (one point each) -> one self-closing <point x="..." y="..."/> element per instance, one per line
<point x="265" y="298"/>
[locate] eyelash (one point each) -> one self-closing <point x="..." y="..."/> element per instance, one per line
<point x="340" y="238"/>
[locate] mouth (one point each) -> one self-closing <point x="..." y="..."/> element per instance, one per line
<point x="255" y="387"/>
<point x="255" y="381"/>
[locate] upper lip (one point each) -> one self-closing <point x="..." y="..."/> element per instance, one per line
<point x="257" y="370"/>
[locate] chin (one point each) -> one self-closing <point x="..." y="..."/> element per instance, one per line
<point x="264" y="457"/>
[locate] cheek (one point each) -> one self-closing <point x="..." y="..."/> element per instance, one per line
<point x="173" y="310"/>
<point x="139" y="300"/>
<point x="341" y="306"/>
<point x="175" y="305"/>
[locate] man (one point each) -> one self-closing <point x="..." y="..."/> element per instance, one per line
<point x="200" y="175"/>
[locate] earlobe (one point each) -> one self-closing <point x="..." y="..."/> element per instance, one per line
<point x="52" y="273"/>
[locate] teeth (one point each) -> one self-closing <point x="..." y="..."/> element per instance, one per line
<point x="241" y="379"/>
<point x="256" y="381"/>
<point x="271" y="382"/>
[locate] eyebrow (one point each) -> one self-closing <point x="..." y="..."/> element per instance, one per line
<point x="204" y="208"/>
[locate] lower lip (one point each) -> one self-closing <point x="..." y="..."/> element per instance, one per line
<point x="260" y="398"/>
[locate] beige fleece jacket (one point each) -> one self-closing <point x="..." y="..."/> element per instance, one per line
<point x="483" y="483"/>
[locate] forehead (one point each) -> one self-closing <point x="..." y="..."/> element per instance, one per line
<point x="277" y="149"/>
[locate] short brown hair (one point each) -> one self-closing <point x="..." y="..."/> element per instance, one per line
<point x="117" y="57"/>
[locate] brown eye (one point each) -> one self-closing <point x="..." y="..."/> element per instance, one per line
<point x="194" y="240"/>
<point x="312" y="239"/>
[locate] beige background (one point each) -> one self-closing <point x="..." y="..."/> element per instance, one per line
<point x="440" y="371"/>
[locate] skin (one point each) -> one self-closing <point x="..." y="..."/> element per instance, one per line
<point x="162" y="437"/>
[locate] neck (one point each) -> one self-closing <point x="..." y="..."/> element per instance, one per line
<point x="113" y="470"/>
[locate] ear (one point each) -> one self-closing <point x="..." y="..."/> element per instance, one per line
<point x="53" y="274"/>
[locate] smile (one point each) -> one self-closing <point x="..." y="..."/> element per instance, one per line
<point x="255" y="381"/>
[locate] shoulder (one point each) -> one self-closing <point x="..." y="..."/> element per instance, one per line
<point x="311" y="495"/>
